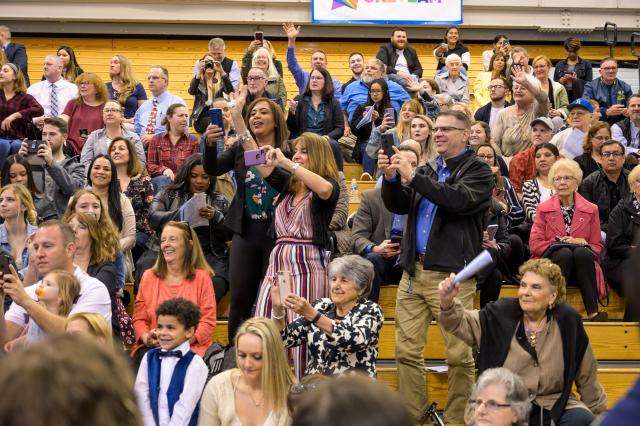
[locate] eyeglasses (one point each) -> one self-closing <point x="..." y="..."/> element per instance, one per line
<point x="316" y="78"/>
<point x="567" y="179"/>
<point x="490" y="404"/>
<point x="496" y="87"/>
<point x="84" y="83"/>
<point x="612" y="154"/>
<point x="108" y="110"/>
<point x="445" y="129"/>
<point x="601" y="138"/>
<point x="486" y="156"/>
<point x="254" y="78"/>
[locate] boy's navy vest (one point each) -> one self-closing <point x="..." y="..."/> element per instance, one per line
<point x="175" y="386"/>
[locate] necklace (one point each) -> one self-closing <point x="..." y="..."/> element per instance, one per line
<point x="248" y="392"/>
<point x="532" y="334"/>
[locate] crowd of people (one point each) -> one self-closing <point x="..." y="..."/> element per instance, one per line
<point x="244" y="193"/>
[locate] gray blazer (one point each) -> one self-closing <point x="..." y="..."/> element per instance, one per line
<point x="372" y="222"/>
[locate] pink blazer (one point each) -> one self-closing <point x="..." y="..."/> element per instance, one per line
<point x="549" y="223"/>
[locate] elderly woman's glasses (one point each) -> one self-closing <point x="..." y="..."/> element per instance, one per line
<point x="567" y="179"/>
<point x="490" y="404"/>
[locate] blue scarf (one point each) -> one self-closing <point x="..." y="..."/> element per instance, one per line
<point x="175" y="387"/>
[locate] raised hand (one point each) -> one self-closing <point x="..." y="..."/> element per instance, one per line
<point x="291" y="30"/>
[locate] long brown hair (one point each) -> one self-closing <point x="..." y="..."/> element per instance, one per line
<point x="279" y="121"/>
<point x="102" y="95"/>
<point x="193" y="256"/>
<point x="321" y="160"/>
<point x="68" y="289"/>
<point x="134" y="167"/>
<point x="128" y="78"/>
<point x="104" y="247"/>
<point x="108" y="230"/>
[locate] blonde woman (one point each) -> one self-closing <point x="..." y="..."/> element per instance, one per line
<point x="420" y="131"/>
<point x="400" y="132"/>
<point x="89" y="325"/>
<point x="255" y="393"/>
<point x="124" y="87"/>
<point x="209" y="83"/>
<point x="19" y="215"/>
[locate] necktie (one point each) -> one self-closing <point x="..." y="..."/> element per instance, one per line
<point x="53" y="98"/>
<point x="176" y="354"/>
<point x="151" y="126"/>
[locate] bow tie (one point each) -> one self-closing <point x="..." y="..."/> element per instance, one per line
<point x="176" y="353"/>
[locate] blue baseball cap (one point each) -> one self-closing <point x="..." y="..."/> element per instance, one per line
<point x="581" y="102"/>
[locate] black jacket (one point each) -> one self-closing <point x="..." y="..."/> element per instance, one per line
<point x="198" y="89"/>
<point x="622" y="221"/>
<point x="484" y="113"/>
<point x="595" y="189"/>
<point x="462" y="200"/>
<point x="322" y="209"/>
<point x="106" y="273"/>
<point x="625" y="126"/>
<point x="499" y="321"/>
<point x="387" y="54"/>
<point x="333" y="119"/>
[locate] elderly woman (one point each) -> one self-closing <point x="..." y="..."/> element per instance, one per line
<point x="538" y="337"/>
<point x="567" y="231"/>
<point x="499" y="398"/>
<point x="98" y="141"/>
<point x="452" y="81"/>
<point x="622" y="237"/>
<point x="512" y="128"/>
<point x="341" y="333"/>
<point x="590" y="160"/>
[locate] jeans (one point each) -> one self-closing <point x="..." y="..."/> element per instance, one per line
<point x="159" y="182"/>
<point x="8" y="147"/>
<point x="368" y="163"/>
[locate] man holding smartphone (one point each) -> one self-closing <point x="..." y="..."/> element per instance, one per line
<point x="445" y="202"/>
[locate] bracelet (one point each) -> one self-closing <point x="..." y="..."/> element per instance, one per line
<point x="294" y="168"/>
<point x="244" y="137"/>
<point x="274" y="316"/>
<point x="316" y="318"/>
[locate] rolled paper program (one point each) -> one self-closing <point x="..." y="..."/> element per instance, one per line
<point x="480" y="261"/>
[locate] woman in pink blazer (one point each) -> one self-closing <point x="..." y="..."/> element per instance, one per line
<point x="566" y="230"/>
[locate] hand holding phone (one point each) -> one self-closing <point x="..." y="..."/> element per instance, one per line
<point x="255" y="157"/>
<point x="491" y="231"/>
<point x="259" y="37"/>
<point x="215" y="117"/>
<point x="285" y="284"/>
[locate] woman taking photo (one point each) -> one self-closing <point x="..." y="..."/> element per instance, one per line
<point x="540" y="188"/>
<point x="168" y="150"/>
<point x="497" y="69"/>
<point x="254" y="393"/>
<point x="16" y="169"/>
<point x="209" y="83"/>
<point x="180" y="271"/>
<point x="136" y="186"/>
<point x="379" y="100"/>
<point x="167" y="206"/>
<point x="555" y="91"/>
<point x="452" y="44"/>
<point x="102" y="177"/>
<point x="19" y="216"/>
<point x="501" y="45"/>
<point x="574" y="72"/>
<point x="95" y="255"/>
<point x="535" y="329"/>
<point x="340" y="332"/>
<point x="124" y="87"/>
<point x="17" y="109"/>
<point x="70" y="68"/>
<point x="251" y="211"/>
<point x="398" y="132"/>
<point x="84" y="114"/>
<point x="98" y="142"/>
<point x="566" y="230"/>
<point x="590" y="160"/>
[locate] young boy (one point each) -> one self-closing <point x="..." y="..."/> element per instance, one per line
<point x="171" y="378"/>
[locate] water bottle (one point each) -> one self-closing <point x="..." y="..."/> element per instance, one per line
<point x="353" y="192"/>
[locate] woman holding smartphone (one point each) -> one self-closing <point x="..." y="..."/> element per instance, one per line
<point x="251" y="210"/>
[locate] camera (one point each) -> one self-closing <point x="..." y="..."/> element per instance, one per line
<point x="208" y="64"/>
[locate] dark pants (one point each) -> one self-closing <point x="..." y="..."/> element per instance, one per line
<point x="248" y="264"/>
<point x="489" y="283"/>
<point x="617" y="271"/>
<point x="337" y="154"/>
<point x="518" y="254"/>
<point x="386" y="272"/>
<point x="572" y="417"/>
<point x="578" y="268"/>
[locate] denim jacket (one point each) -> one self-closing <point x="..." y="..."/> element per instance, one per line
<point x="4" y="243"/>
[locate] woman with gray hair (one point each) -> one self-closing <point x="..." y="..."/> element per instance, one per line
<point x="499" y="398"/>
<point x="453" y="82"/>
<point x="341" y="333"/>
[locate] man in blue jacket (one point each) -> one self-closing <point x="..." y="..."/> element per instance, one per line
<point x="15" y="53"/>
<point x="611" y="93"/>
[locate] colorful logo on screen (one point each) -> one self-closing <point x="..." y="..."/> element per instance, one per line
<point x="353" y="4"/>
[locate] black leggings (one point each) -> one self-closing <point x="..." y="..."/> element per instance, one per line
<point x="578" y="268"/>
<point x="248" y="264"/>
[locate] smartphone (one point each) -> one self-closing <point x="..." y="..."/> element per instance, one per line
<point x="84" y="133"/>
<point x="396" y="239"/>
<point x="387" y="146"/>
<point x="505" y="41"/>
<point x="259" y="36"/>
<point x="215" y="115"/>
<point x="392" y="113"/>
<point x="491" y="230"/>
<point x="255" y="157"/>
<point x="4" y="265"/>
<point x="34" y="146"/>
<point x="285" y="284"/>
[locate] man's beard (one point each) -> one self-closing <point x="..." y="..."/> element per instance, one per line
<point x="367" y="79"/>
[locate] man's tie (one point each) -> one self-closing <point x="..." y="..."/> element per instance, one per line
<point x="175" y="353"/>
<point x="151" y="126"/>
<point x="53" y="97"/>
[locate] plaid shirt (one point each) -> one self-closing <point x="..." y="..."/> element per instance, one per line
<point x="164" y="155"/>
<point x="24" y="104"/>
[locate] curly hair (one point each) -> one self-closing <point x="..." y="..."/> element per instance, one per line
<point x="552" y="272"/>
<point x="185" y="311"/>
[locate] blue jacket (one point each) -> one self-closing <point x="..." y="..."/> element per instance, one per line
<point x="302" y="77"/>
<point x="357" y="94"/>
<point x="618" y="93"/>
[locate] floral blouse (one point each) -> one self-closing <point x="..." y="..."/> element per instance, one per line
<point x="353" y="345"/>
<point x="140" y="193"/>
<point x="259" y="196"/>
